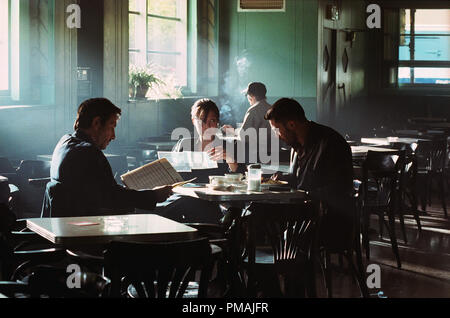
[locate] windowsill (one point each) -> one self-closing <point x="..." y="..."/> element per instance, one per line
<point x="417" y="90"/>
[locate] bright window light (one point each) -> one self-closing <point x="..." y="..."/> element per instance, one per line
<point x="4" y="45"/>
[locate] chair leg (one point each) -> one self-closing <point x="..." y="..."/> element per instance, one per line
<point x="442" y="190"/>
<point x="380" y="225"/>
<point x="429" y="188"/>
<point x="393" y="238"/>
<point x="359" y="277"/>
<point x="328" y="275"/>
<point x="402" y="224"/>
<point x="414" y="207"/>
<point x="359" y="255"/>
<point x="366" y="219"/>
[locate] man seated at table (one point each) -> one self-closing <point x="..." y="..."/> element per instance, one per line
<point x="82" y="183"/>
<point x="321" y="164"/>
<point x="257" y="149"/>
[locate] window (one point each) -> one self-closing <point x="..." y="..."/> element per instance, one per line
<point x="158" y="41"/>
<point x="424" y="47"/>
<point x="4" y="47"/>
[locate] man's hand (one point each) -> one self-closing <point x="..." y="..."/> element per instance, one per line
<point x="162" y="193"/>
<point x="276" y="176"/>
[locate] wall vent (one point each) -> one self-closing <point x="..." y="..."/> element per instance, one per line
<point x="261" y="5"/>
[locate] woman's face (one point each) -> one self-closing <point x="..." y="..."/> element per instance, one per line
<point x="206" y="128"/>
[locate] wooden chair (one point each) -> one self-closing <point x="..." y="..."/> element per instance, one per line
<point x="380" y="193"/>
<point x="349" y="248"/>
<point x="158" y="270"/>
<point x="291" y="234"/>
<point x="431" y="165"/>
<point x="408" y="185"/>
<point x="51" y="282"/>
<point x="31" y="196"/>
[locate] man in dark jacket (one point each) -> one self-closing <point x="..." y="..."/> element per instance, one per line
<point x="82" y="183"/>
<point x="321" y="164"/>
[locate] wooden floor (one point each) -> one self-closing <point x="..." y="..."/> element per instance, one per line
<point x="425" y="271"/>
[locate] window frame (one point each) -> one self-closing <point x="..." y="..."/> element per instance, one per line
<point x="6" y="94"/>
<point x="143" y="53"/>
<point x="412" y="63"/>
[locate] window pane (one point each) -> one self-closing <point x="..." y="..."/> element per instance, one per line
<point x="424" y="75"/>
<point x="4" y="43"/>
<point x="432" y="48"/>
<point x="134" y="58"/>
<point x="132" y="6"/>
<point x="404" y="52"/>
<point x="162" y="35"/>
<point x="432" y="21"/>
<point x="164" y="64"/>
<point x="165" y="8"/>
<point x="133" y="31"/>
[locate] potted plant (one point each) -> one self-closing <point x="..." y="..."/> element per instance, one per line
<point x="141" y="79"/>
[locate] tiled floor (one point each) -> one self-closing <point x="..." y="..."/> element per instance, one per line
<point x="425" y="271"/>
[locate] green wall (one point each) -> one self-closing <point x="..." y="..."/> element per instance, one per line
<point x="280" y="49"/>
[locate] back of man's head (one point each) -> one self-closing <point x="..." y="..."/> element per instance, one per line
<point x="257" y="90"/>
<point x="286" y="109"/>
<point x="92" y="108"/>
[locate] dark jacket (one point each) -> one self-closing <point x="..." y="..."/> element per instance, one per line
<point x="324" y="168"/>
<point x="82" y="183"/>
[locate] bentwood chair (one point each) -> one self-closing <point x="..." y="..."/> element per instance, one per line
<point x="158" y="270"/>
<point x="31" y="196"/>
<point x="51" y="282"/>
<point x="345" y="243"/>
<point x="408" y="185"/>
<point x="431" y="165"/>
<point x="285" y="266"/>
<point x="382" y="172"/>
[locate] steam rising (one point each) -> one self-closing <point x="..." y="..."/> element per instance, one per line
<point x="234" y="82"/>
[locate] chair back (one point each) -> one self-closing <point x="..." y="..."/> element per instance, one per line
<point x="34" y="169"/>
<point x="431" y="154"/>
<point x="158" y="270"/>
<point x="382" y="172"/>
<point x="291" y="232"/>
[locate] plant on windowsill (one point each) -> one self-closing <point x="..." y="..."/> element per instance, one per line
<point x="141" y="79"/>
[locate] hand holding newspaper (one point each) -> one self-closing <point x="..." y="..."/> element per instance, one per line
<point x="155" y="174"/>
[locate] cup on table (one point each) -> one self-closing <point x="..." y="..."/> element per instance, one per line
<point x="254" y="178"/>
<point x="217" y="181"/>
<point x="234" y="177"/>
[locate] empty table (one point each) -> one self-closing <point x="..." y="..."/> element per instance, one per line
<point x="391" y="140"/>
<point x="99" y="230"/>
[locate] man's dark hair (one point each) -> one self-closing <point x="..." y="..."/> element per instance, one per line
<point x="202" y="107"/>
<point x="286" y="109"/>
<point x="94" y="107"/>
<point x="257" y="90"/>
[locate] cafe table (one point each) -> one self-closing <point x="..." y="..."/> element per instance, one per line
<point x="391" y="140"/>
<point x="158" y="145"/>
<point x="100" y="230"/>
<point x="278" y="196"/>
<point x="361" y="151"/>
<point x="239" y="199"/>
